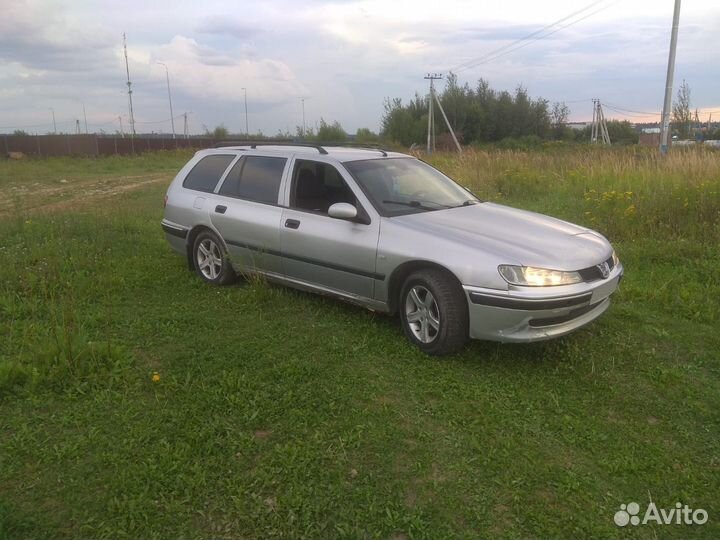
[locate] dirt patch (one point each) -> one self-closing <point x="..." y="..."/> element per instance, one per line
<point x="31" y="198"/>
<point x="262" y="434"/>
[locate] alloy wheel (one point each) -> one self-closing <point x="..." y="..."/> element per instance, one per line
<point x="422" y="314"/>
<point x="209" y="259"/>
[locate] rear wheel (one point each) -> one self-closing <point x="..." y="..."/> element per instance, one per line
<point x="433" y="311"/>
<point x="211" y="260"/>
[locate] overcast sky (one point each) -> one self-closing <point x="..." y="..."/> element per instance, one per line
<point x="344" y="57"/>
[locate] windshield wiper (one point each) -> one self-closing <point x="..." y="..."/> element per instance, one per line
<point x="411" y="204"/>
<point x="419" y="204"/>
<point x="469" y="202"/>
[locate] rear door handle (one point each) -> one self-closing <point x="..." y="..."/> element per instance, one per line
<point x="292" y="223"/>
<point x="220" y="209"/>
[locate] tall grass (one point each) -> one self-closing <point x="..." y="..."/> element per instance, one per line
<point x="625" y="193"/>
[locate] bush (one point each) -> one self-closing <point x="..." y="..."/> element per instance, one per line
<point x="331" y="132"/>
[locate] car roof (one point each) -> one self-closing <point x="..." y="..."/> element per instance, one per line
<point x="339" y="153"/>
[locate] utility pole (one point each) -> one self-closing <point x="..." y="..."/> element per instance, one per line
<point x="431" y="121"/>
<point x="303" y="112"/>
<point x="185" y="126"/>
<point x="603" y="125"/>
<point x="247" y="132"/>
<point x="85" y="116"/>
<point x="667" y="104"/>
<point x="54" y="124"/>
<point x="599" y="124"/>
<point x="129" y="85"/>
<point x="77" y="126"/>
<point x="122" y="133"/>
<point x="167" y="79"/>
<point x="447" y="122"/>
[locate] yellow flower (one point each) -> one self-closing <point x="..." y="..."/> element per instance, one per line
<point x="155" y="376"/>
<point x="630" y="210"/>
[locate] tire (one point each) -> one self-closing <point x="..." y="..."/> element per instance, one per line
<point x="438" y="325"/>
<point x="211" y="261"/>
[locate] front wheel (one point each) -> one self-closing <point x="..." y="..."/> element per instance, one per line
<point x="434" y="313"/>
<point x="211" y="260"/>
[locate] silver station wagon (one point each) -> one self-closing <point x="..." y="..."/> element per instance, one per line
<point x="389" y="232"/>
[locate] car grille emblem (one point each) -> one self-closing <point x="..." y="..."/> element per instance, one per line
<point x="604" y="269"/>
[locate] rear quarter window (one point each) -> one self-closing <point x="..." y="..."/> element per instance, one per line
<point x="255" y="178"/>
<point x="206" y="173"/>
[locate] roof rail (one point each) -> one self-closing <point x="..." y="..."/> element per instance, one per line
<point x="367" y="146"/>
<point x="255" y="144"/>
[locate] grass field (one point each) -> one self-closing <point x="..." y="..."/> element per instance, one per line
<point x="138" y="402"/>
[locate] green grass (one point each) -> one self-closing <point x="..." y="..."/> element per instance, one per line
<point x="279" y="414"/>
<point x="52" y="169"/>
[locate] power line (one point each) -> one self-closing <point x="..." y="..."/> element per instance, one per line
<point x="630" y="114"/>
<point x="625" y="109"/>
<point x="526" y="40"/>
<point x="28" y="127"/>
<point x="159" y="121"/>
<point x="525" y="44"/>
<point x="536" y="32"/>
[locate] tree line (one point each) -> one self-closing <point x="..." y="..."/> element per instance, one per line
<point x="477" y="114"/>
<point x="480" y="114"/>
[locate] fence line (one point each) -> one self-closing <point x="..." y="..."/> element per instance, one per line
<point x="94" y="145"/>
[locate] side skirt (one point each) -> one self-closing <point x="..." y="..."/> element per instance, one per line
<point x="368" y="303"/>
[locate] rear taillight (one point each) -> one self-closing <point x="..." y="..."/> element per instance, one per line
<point x="165" y="201"/>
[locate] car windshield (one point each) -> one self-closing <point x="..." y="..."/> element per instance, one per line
<point x="399" y="186"/>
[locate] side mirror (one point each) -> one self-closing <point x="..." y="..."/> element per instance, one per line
<point x="342" y="210"/>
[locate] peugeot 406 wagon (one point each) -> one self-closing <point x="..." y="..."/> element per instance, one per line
<point x="389" y="232"/>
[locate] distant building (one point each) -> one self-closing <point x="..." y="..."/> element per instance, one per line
<point x="579" y="126"/>
<point x="650" y="139"/>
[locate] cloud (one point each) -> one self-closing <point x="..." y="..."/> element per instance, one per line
<point x="206" y="73"/>
<point x="345" y="57"/>
<point x="41" y="37"/>
<point x="228" y="26"/>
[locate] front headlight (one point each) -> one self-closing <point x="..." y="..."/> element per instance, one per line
<point x="537" y="277"/>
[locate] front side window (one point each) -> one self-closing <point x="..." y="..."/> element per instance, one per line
<point x="406" y="185"/>
<point x="255" y="178"/>
<point x="317" y="186"/>
<point x="206" y="173"/>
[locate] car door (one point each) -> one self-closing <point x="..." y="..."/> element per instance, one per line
<point x="246" y="213"/>
<point x="327" y="252"/>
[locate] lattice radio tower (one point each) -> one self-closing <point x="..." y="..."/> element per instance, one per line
<point x="129" y="85"/>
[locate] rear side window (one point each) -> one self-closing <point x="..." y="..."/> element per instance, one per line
<point x="256" y="178"/>
<point x="205" y="175"/>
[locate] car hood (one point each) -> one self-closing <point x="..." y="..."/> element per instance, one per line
<point x="513" y="236"/>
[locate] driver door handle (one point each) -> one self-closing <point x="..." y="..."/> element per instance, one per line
<point x="292" y="223"/>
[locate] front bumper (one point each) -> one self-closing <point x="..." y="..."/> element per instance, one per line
<point x="538" y="313"/>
